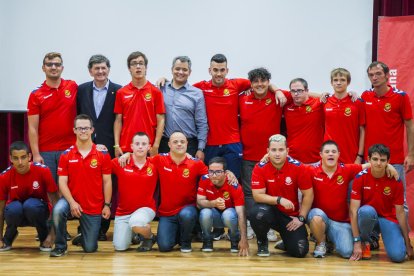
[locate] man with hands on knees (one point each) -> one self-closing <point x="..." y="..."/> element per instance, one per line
<point x="377" y="200"/>
<point x="86" y="186"/>
<point x="275" y="187"/>
<point x="222" y="205"/>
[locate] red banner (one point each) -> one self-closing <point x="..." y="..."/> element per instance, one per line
<point x="396" y="49"/>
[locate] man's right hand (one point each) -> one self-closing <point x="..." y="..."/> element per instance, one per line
<point x="118" y="151"/>
<point x="357" y="254"/>
<point x="220" y="203"/>
<point x="38" y="158"/>
<point x="124" y="159"/>
<point x="76" y="209"/>
<point x="287" y="204"/>
<point x="161" y="82"/>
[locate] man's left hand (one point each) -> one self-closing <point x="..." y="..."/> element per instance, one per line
<point x="106" y="212"/>
<point x="294" y="224"/>
<point x="409" y="163"/>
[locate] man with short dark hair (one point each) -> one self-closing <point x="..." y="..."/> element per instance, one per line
<point x="29" y="189"/>
<point x="185" y="109"/>
<point x="85" y="183"/>
<point x="275" y="186"/>
<point x="139" y="106"/>
<point x="222" y="205"/>
<point x="377" y="200"/>
<point x="51" y="109"/>
<point x="96" y="99"/>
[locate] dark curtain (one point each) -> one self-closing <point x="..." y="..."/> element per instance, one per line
<point x="13" y="125"/>
<point x="388" y="8"/>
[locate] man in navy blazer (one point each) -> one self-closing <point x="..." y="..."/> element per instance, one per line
<point x="96" y="99"/>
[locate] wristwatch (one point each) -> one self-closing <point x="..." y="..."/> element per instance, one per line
<point x="108" y="204"/>
<point x="301" y="219"/>
<point x="357" y="239"/>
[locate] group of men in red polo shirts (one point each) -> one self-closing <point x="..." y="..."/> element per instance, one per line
<point x="379" y="118"/>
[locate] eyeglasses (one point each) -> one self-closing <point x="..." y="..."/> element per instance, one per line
<point x="51" y="64"/>
<point x="217" y="172"/>
<point x="297" y="91"/>
<point x="137" y="64"/>
<point x="83" y="129"/>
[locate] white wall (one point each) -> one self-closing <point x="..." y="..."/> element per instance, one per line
<point x="290" y="38"/>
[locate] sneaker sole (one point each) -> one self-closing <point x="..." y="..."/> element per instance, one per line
<point x="55" y="256"/>
<point x="45" y="249"/>
<point x="207" y="250"/>
<point x="263" y="254"/>
<point x="234" y="250"/>
<point x="318" y="255"/>
<point x="186" y="250"/>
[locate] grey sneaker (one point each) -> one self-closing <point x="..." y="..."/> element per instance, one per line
<point x="250" y="232"/>
<point x="280" y="245"/>
<point x="271" y="235"/>
<point x="147" y="244"/>
<point x="8" y="247"/>
<point x="320" y="250"/>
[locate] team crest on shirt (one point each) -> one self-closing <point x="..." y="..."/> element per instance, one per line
<point x="387" y="107"/>
<point x="387" y="191"/>
<point x="347" y="111"/>
<point x="340" y="180"/>
<point x="226" y="195"/>
<point x="268" y="101"/>
<point x="288" y="181"/>
<point x="35" y="185"/>
<point x="149" y="171"/>
<point x="308" y="108"/>
<point x="186" y="173"/>
<point x="226" y="92"/>
<point x="67" y="94"/>
<point x="94" y="163"/>
<point x="148" y="97"/>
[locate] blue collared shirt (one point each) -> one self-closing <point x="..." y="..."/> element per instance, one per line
<point x="99" y="95"/>
<point x="185" y="110"/>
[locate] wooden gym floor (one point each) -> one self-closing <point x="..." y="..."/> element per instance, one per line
<point x="25" y="258"/>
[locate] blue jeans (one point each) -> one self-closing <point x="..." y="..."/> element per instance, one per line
<point x="391" y="232"/>
<point x="177" y="228"/>
<point x="31" y="212"/>
<point x="51" y="159"/>
<point x="211" y="217"/>
<point x="339" y="233"/>
<point x="233" y="153"/>
<point x="89" y="227"/>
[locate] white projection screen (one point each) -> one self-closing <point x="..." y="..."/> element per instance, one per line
<point x="297" y="38"/>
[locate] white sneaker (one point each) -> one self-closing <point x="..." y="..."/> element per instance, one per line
<point x="250" y="232"/>
<point x="271" y="235"/>
<point x="320" y="250"/>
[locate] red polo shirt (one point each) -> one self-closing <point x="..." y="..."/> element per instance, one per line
<point x="178" y="183"/>
<point x="231" y="193"/>
<point x="380" y="193"/>
<point x="331" y="194"/>
<point x="36" y="183"/>
<point x="385" y="121"/>
<point x="57" y="110"/>
<point x="139" y="109"/>
<point x="136" y="186"/>
<point x="284" y="182"/>
<point x="259" y="119"/>
<point x="222" y="110"/>
<point x="343" y="118"/>
<point x="85" y="177"/>
<point x="305" y="129"/>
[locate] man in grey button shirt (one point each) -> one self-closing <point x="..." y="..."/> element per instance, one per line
<point x="185" y="109"/>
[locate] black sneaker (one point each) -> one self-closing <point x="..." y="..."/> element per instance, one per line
<point x="186" y="247"/>
<point x="374" y="244"/>
<point x="280" y="245"/>
<point x="102" y="236"/>
<point x="234" y="246"/>
<point x="207" y="246"/>
<point x="77" y="240"/>
<point x="263" y="248"/>
<point x="136" y="239"/>
<point x="68" y="236"/>
<point x="58" y="252"/>
<point x="147" y="244"/>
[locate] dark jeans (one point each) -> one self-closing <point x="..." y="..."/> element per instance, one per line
<point x="31" y="212"/>
<point x="89" y="224"/>
<point x="191" y="148"/>
<point x="263" y="217"/>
